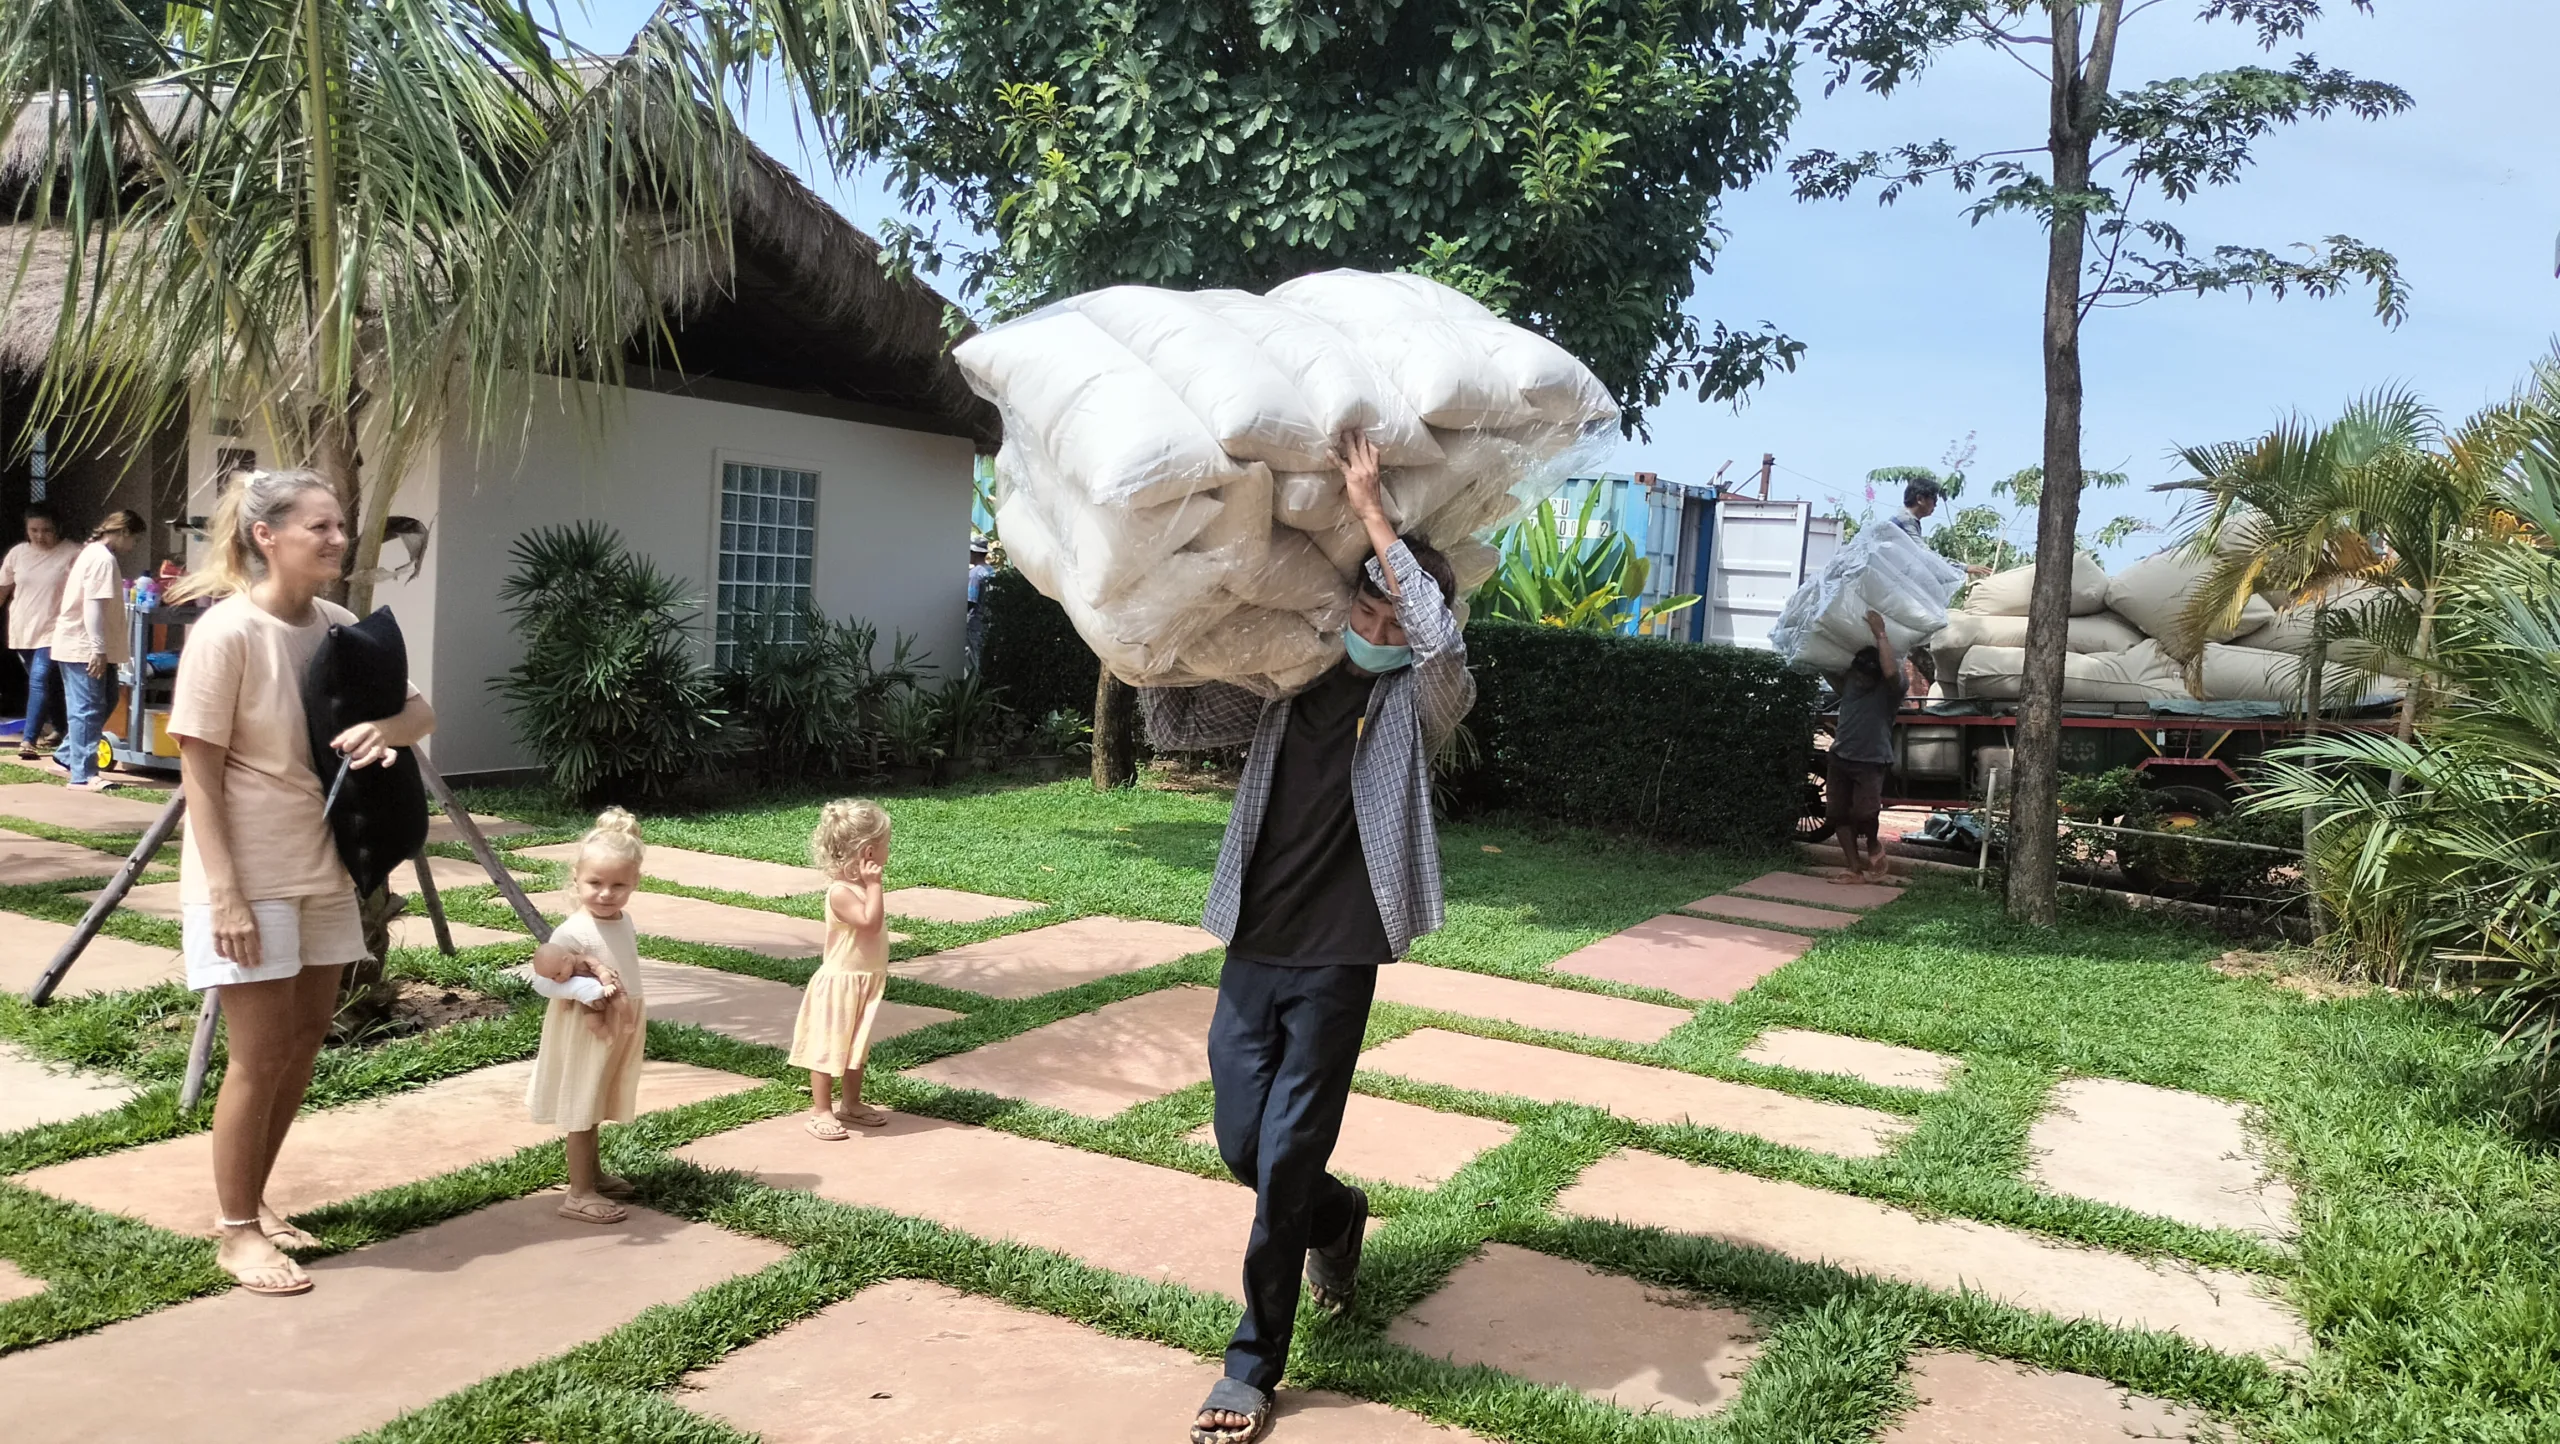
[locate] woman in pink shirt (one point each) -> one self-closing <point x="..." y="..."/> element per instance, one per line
<point x="31" y="587"/>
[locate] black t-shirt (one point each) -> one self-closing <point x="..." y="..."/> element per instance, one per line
<point x="1307" y="901"/>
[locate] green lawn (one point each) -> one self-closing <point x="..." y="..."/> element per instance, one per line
<point x="2428" y="1269"/>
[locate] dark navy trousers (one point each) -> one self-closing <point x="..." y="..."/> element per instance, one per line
<point x="1282" y="1047"/>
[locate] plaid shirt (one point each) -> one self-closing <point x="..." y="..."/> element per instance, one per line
<point x="1411" y="713"/>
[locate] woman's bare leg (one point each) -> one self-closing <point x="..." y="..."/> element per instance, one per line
<point x="266" y="1063"/>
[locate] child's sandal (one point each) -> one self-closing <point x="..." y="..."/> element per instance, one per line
<point x="865" y="1118"/>
<point x="827" y="1129"/>
<point x="594" y="1210"/>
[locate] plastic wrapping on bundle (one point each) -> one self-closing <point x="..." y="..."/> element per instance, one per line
<point x="1330" y="372"/>
<point x="1882" y="570"/>
<point x="1109" y="422"/>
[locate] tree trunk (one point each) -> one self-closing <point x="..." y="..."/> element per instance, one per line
<point x="333" y="455"/>
<point x="1115" y="733"/>
<point x="2317" y="689"/>
<point x="2406" y="727"/>
<point x="2079" y="91"/>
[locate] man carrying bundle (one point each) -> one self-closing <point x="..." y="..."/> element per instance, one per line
<point x="1330" y="868"/>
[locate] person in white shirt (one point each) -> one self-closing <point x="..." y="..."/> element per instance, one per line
<point x="89" y="641"/>
<point x="31" y="578"/>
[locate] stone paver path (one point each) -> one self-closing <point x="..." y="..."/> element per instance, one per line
<point x="2158" y="1150"/>
<point x="16" y="1283"/>
<point x="388" y="1328"/>
<point x="73" y="808"/>
<point x="754" y="1010"/>
<point x="691" y="920"/>
<point x="107" y="965"/>
<point x="1613" y="1338"/>
<point x="440" y="828"/>
<point x="1634" y="1091"/>
<point x="950" y="905"/>
<point x="414" y="929"/>
<point x="1736" y="908"/>
<point x="1967" y="1399"/>
<point x="918" y="1363"/>
<point x="1795" y="887"/>
<point x="1392" y="1142"/>
<point x="34" y="1092"/>
<point x="1691" y="957"/>
<point x="1887" y="1065"/>
<point x="1131" y="1218"/>
<point x="2221" y="1310"/>
<point x="26" y="861"/>
<point x="1094" y="1063"/>
<point x="1043" y="960"/>
<point x="1531" y="1005"/>
<point x="342" y="1153"/>
<point x="160" y="899"/>
<point x="752" y="876"/>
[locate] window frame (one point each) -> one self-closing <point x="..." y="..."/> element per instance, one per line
<point x="718" y="648"/>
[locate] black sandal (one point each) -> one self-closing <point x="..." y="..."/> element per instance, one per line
<point x="1333" y="1273"/>
<point x="1233" y="1396"/>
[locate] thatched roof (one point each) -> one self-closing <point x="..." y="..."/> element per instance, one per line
<point x="808" y="307"/>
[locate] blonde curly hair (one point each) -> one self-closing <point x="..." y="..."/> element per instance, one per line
<point x="845" y="828"/>
<point x="615" y="838"/>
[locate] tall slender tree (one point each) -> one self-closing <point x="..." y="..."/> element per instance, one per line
<point x="2108" y="149"/>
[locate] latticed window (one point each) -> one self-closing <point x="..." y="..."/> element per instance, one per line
<point x="768" y="549"/>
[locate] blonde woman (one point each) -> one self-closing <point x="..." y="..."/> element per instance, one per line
<point x="89" y="641"/>
<point x="832" y="1038"/>
<point x="268" y="911"/>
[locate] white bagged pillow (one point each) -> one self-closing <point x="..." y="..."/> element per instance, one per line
<point x="1441" y="370"/>
<point x="1107" y="422"/>
<point x="2153" y="594"/>
<point x="1249" y="404"/>
<point x="2008" y="594"/>
<point x="1882" y="569"/>
<point x="2143" y="674"/>
<point x="1103" y="551"/>
<point x="2101" y="632"/>
<point x="1308" y="500"/>
<point x="1559" y="389"/>
<point x="1331" y="373"/>
<point x="1293" y="576"/>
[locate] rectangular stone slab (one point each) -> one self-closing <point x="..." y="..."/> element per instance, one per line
<point x="1094" y="1063"/>
<point x="1130" y="1218"/>
<point x="26" y="861"/>
<point x="1634" y="1091"/>
<point x="755" y="1010"/>
<point x="1692" y="957"/>
<point x="161" y="899"/>
<point x="106" y="965"/>
<point x="918" y="1363"/>
<point x="2160" y="1151"/>
<point x="414" y="929"/>
<point x="73" y="808"/>
<point x="341" y="1153"/>
<point x="1820" y="892"/>
<point x="1062" y="955"/>
<point x="692" y="920"/>
<point x="1733" y="907"/>
<point x="440" y="828"/>
<point x="1887" y="1065"/>
<point x="1531" y="1005"/>
<point x="950" y="905"/>
<point x="1392" y="1142"/>
<point x="16" y="1283"/>
<point x="1965" y="1398"/>
<point x="2232" y="1312"/>
<point x="34" y="1092"/>
<point x="1609" y="1337"/>
<point x="386" y="1329"/>
<point x="707" y="870"/>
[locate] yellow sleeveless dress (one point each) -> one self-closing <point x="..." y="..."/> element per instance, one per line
<point x="833" y="1034"/>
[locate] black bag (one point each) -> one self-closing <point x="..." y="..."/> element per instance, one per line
<point x="361" y="674"/>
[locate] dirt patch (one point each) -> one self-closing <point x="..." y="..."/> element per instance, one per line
<point x="1208" y="773"/>
<point x="2295" y="972"/>
<point x="418" y="1006"/>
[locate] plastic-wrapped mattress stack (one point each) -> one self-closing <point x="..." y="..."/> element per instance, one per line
<point x="1165" y="471"/>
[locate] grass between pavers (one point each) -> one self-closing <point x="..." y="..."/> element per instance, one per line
<point x="2426" y="1258"/>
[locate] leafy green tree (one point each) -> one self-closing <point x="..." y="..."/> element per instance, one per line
<point x="2114" y="155"/>
<point x="1562" y="162"/>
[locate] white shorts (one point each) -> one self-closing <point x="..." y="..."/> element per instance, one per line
<point x="293" y="933"/>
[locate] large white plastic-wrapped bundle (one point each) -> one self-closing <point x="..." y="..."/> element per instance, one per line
<point x="2007" y="594"/>
<point x="2099" y="632"/>
<point x="2142" y="673"/>
<point x="1883" y="570"/>
<point x="1165" y="473"/>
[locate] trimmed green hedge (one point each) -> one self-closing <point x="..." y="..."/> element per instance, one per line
<point x="1032" y="651"/>
<point x="1704" y="744"/>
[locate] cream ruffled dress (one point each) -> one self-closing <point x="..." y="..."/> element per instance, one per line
<point x="833" y="1034"/>
<point x="579" y="1079"/>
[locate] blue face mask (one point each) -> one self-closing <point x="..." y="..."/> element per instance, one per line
<point x="1369" y="656"/>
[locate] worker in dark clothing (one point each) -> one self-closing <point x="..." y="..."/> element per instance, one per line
<point x="1862" y="751"/>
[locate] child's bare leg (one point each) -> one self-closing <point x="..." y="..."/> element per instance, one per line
<point x="822" y="1108"/>
<point x="854" y="1110"/>
<point x="586" y="1202"/>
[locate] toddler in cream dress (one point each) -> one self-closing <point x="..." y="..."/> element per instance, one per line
<point x="833" y="1035"/>
<point x="595" y="1032"/>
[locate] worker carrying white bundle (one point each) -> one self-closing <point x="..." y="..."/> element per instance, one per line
<point x="1884" y="570"/>
<point x="1172" y="471"/>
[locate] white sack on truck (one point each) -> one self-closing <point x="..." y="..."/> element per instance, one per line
<point x="1884" y="570"/>
<point x="2098" y="632"/>
<point x="1165" y="474"/>
<point x="2007" y="594"/>
<point x="2142" y="673"/>
<point x="2252" y="674"/>
<point x="2153" y="594"/>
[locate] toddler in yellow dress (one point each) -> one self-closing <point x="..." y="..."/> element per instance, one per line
<point x="833" y="1035"/>
<point x="594" y="1034"/>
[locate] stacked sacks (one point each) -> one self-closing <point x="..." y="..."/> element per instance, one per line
<point x="2141" y="673"/>
<point x="1165" y="474"/>
<point x="1882" y="570"/>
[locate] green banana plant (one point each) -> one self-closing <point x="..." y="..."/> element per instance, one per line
<point x="1586" y="586"/>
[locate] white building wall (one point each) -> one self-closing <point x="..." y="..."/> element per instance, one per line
<point x="893" y="529"/>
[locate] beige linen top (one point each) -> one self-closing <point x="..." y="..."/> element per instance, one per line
<point x="240" y="686"/>
<point x="37" y="574"/>
<point x="94" y="576"/>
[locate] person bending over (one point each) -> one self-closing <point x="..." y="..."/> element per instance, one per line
<point x="1862" y="752"/>
<point x="1330" y="868"/>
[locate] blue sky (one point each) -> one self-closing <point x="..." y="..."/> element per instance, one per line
<point x="1923" y="329"/>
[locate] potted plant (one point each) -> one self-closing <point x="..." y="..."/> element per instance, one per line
<point x="1058" y="740"/>
<point x="911" y="724"/>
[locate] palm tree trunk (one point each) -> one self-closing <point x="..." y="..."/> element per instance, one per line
<point x="2317" y="690"/>
<point x="1115" y="733"/>
<point x="2406" y="727"/>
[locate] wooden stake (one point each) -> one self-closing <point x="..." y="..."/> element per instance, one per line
<point x="153" y="840"/>
<point x="200" y="1052"/>
<point x="462" y="823"/>
<point x="435" y="904"/>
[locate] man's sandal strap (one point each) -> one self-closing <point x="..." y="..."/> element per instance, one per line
<point x="1234" y="1396"/>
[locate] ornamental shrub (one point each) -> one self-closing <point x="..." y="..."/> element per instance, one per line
<point x="1697" y="744"/>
